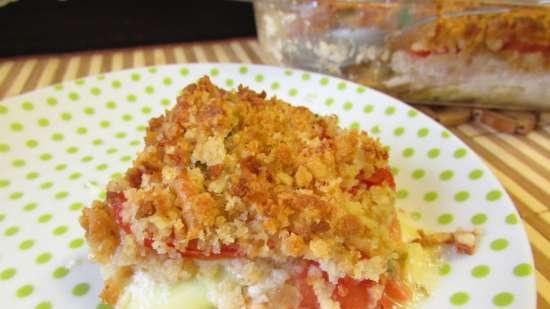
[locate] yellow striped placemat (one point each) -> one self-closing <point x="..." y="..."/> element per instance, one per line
<point x="522" y="163"/>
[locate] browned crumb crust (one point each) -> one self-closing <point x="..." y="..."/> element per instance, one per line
<point x="102" y="233"/>
<point x="509" y="33"/>
<point x="465" y="242"/>
<point x="115" y="284"/>
<point x="236" y="169"/>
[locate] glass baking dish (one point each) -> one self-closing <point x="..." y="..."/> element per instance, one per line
<point x="477" y="53"/>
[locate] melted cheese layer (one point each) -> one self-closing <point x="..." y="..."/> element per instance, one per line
<point x="144" y="293"/>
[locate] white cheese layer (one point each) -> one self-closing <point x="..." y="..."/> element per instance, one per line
<point x="144" y="293"/>
<point x="227" y="284"/>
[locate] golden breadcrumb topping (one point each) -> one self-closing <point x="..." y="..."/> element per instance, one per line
<point x="238" y="174"/>
<point x="509" y="31"/>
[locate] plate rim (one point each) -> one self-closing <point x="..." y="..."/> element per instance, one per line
<point x="424" y="118"/>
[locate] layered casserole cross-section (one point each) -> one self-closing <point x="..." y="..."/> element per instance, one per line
<point x="241" y="201"/>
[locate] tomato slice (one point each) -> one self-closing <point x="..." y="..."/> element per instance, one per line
<point x="521" y="47"/>
<point x="541" y="48"/>
<point x="116" y="200"/>
<point x="421" y="53"/>
<point x="309" y="299"/>
<point x="226" y="252"/>
<point x="353" y="294"/>
<point x="349" y="293"/>
<point x="527" y="47"/>
<point x="379" y="177"/>
<point x="396" y="293"/>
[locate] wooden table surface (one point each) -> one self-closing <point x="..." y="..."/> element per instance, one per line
<point x="522" y="163"/>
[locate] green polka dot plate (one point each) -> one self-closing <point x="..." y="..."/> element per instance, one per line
<point x="60" y="145"/>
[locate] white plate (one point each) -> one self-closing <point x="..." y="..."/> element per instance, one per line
<point x="60" y="145"/>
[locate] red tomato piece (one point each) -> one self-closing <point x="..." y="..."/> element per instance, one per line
<point x="379" y="177"/>
<point x="116" y="200"/>
<point x="226" y="252"/>
<point x="309" y="299"/>
<point x="353" y="294"/>
<point x="396" y="293"/>
<point x="523" y="47"/>
<point x="421" y="53"/>
<point x="148" y="242"/>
